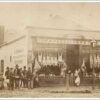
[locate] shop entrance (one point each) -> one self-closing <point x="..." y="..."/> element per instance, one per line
<point x="72" y="56"/>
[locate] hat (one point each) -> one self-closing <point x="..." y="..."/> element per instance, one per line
<point x="24" y="66"/>
<point x="17" y="65"/>
<point x="7" y="67"/>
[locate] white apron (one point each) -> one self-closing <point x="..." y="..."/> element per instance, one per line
<point x="77" y="81"/>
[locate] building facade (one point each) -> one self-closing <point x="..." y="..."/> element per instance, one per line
<point x="49" y="48"/>
<point x="12" y="53"/>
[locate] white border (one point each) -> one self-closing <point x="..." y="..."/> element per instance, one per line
<point x="51" y="98"/>
<point x="51" y="1"/>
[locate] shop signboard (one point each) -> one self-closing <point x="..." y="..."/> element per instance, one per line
<point x="62" y="41"/>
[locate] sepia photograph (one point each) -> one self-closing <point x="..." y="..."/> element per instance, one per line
<point x="49" y="49"/>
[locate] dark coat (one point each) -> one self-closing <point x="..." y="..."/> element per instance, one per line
<point x="7" y="74"/>
<point x="17" y="73"/>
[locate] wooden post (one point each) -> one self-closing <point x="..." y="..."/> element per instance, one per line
<point x="67" y="81"/>
<point x="93" y="44"/>
<point x="93" y="72"/>
<point x="93" y="86"/>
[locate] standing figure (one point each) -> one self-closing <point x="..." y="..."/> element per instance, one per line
<point x="17" y="76"/>
<point x="7" y="75"/>
<point x="24" y="77"/>
<point x="63" y="69"/>
<point x="82" y="73"/>
<point x="29" y="77"/>
<point x="21" y="77"/>
<point x="11" y="75"/>
<point x="77" y="77"/>
<point x="35" y="79"/>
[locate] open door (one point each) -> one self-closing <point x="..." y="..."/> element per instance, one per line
<point x="72" y="56"/>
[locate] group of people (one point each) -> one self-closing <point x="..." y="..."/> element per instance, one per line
<point x="28" y="78"/>
<point x="18" y="77"/>
<point x="77" y="74"/>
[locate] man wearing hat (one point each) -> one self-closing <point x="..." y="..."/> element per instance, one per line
<point x="17" y="76"/>
<point x="7" y="75"/>
<point x="25" y="81"/>
<point x="11" y="76"/>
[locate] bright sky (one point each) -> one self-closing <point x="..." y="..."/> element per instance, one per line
<point x="17" y="16"/>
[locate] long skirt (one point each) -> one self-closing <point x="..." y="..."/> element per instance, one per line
<point x="77" y="81"/>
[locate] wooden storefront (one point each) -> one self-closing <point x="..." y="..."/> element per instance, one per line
<point x="73" y="51"/>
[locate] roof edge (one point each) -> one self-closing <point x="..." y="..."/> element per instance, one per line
<point x="11" y="41"/>
<point x="78" y="30"/>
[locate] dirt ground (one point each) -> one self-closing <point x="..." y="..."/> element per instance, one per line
<point x="52" y="92"/>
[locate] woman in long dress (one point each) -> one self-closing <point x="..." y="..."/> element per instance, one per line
<point x="77" y="77"/>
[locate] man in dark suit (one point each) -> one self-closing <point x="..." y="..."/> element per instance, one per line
<point x="29" y="77"/>
<point x="25" y="81"/>
<point x="17" y="76"/>
<point x="11" y="77"/>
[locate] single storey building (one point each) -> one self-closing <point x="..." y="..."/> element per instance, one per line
<point x="50" y="46"/>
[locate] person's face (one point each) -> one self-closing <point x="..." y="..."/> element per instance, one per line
<point x="29" y="69"/>
<point x="24" y="68"/>
<point x="7" y="69"/>
<point x="16" y="67"/>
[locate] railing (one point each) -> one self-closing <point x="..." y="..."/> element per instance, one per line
<point x="61" y="81"/>
<point x="51" y="80"/>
